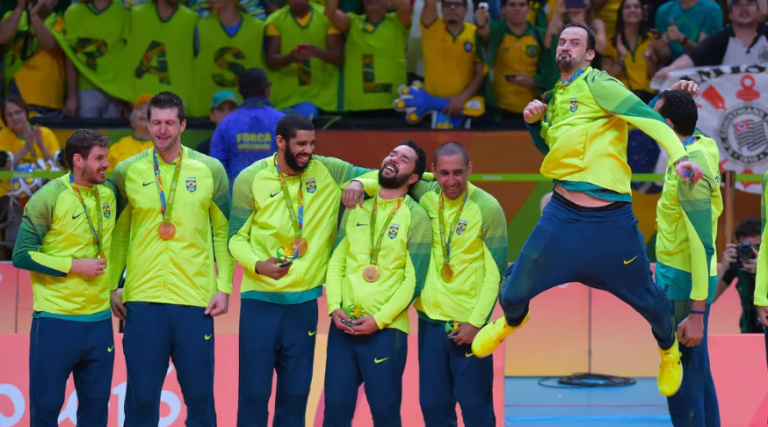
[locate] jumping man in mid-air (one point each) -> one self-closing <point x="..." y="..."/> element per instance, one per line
<point x="588" y="232"/>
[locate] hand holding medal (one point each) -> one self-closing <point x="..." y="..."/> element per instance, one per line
<point x="167" y="229"/>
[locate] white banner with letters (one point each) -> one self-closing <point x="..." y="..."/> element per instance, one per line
<point x="734" y="112"/>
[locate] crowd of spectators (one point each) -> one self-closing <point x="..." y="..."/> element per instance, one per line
<point x="94" y="58"/>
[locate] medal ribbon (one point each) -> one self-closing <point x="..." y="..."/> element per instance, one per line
<point x="575" y="75"/>
<point x="296" y="218"/>
<point x="96" y="235"/>
<point x="375" y="249"/>
<point x="166" y="208"/>
<point x="689" y="141"/>
<point x="454" y="224"/>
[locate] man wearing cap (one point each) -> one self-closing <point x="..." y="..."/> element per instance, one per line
<point x="139" y="141"/>
<point x="223" y="103"/>
<point x="248" y="134"/>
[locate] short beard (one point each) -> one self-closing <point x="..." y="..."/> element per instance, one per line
<point x="565" y="64"/>
<point x="92" y="176"/>
<point x="391" y="182"/>
<point x="293" y="162"/>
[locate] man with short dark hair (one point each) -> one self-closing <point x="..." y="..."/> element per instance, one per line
<point x="170" y="198"/>
<point x="284" y="220"/>
<point x="581" y="128"/>
<point x="377" y="269"/>
<point x="248" y="134"/>
<point x="469" y="255"/>
<point x="63" y="241"/>
<point x="686" y="266"/>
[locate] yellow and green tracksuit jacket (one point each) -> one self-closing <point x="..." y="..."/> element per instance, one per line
<point x="479" y="256"/>
<point x="55" y="231"/>
<point x="403" y="261"/>
<point x="686" y="223"/>
<point x="584" y="135"/>
<point x="261" y="224"/>
<point x="180" y="270"/>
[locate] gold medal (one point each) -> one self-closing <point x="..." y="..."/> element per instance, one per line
<point x="371" y="273"/>
<point x="447" y="273"/>
<point x="166" y="230"/>
<point x="300" y="244"/>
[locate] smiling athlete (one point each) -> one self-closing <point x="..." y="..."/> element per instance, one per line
<point x="377" y="269"/>
<point x="284" y="220"/>
<point x="63" y="241"/>
<point x="582" y="131"/>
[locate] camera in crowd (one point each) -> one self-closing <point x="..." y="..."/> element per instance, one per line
<point x="744" y="250"/>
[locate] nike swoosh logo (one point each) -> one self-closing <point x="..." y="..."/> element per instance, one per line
<point x="273" y="195"/>
<point x="361" y="225"/>
<point x="377" y="361"/>
<point x="77" y="216"/>
<point x="469" y="354"/>
<point x="208" y="337"/>
<point x="147" y="183"/>
<point x="627" y="262"/>
<point x="311" y="334"/>
<point x="109" y="350"/>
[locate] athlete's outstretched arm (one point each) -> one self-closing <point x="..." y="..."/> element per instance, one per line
<point x="696" y="203"/>
<point x="343" y="172"/>
<point x="219" y="212"/>
<point x="244" y="209"/>
<point x="423" y="186"/>
<point x="616" y="99"/>
<point x="35" y="224"/>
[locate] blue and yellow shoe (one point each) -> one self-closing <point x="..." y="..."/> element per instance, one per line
<point x="491" y="336"/>
<point x="670" y="371"/>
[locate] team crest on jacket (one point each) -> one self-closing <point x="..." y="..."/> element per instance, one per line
<point x="106" y="210"/>
<point x="311" y="185"/>
<point x="191" y="185"/>
<point x="461" y="227"/>
<point x="468" y="47"/>
<point x="393" y="229"/>
<point x="574" y="105"/>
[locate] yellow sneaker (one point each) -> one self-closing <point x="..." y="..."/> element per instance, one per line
<point x="670" y="371"/>
<point x="491" y="336"/>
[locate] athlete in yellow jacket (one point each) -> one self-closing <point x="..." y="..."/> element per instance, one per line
<point x="588" y="232"/>
<point x="63" y="239"/>
<point x="377" y="269"/>
<point x="170" y="198"/>
<point x="284" y="219"/>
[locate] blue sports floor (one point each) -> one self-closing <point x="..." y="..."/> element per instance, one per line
<point x="529" y="404"/>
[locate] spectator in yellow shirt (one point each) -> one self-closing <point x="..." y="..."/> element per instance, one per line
<point x="451" y="67"/>
<point x="26" y="143"/>
<point x="34" y="65"/>
<point x="129" y="146"/>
